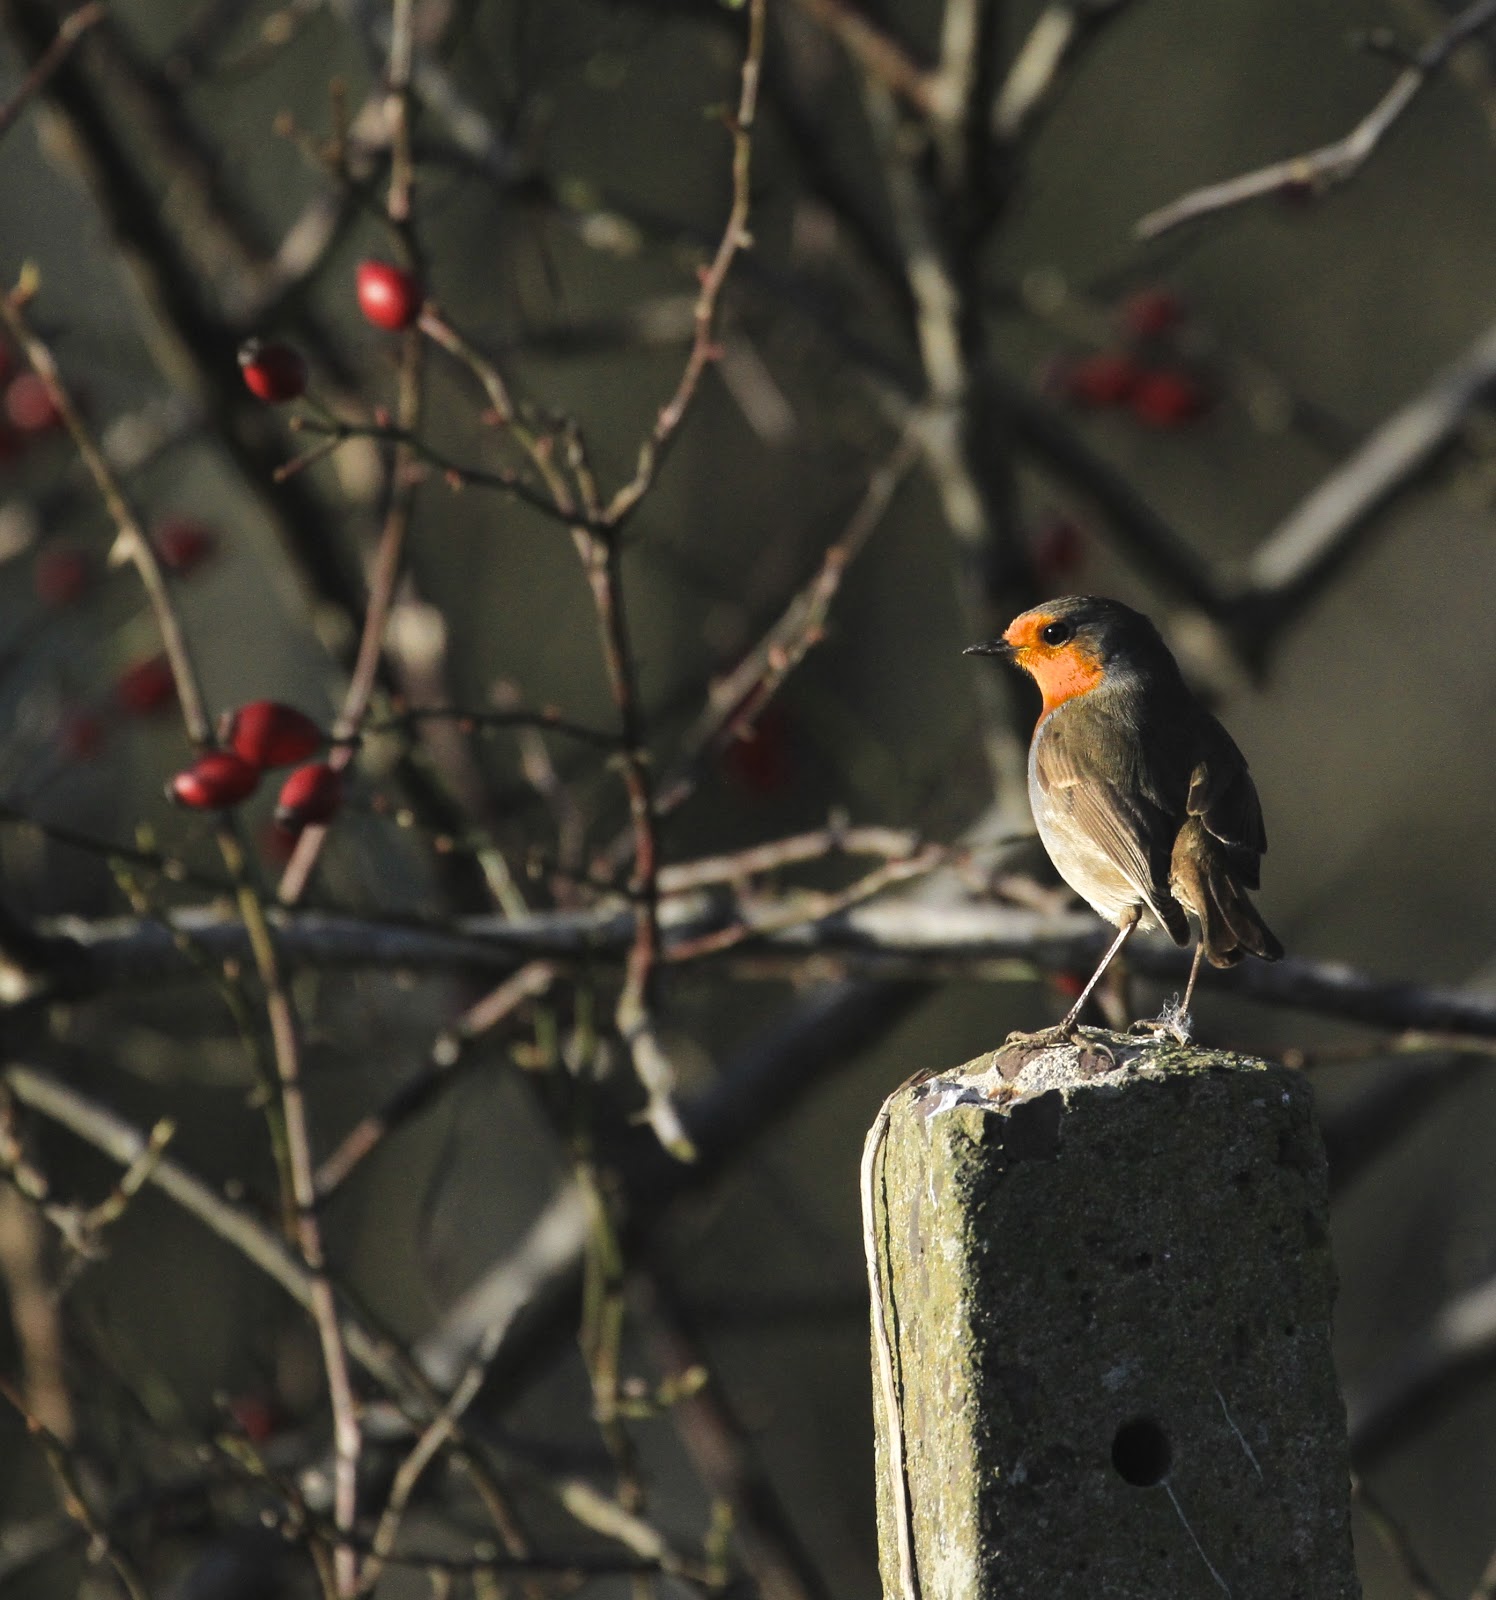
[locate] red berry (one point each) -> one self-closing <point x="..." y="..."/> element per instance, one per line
<point x="1167" y="398"/>
<point x="311" y="794"/>
<point x="761" y="761"/>
<point x="81" y="735"/>
<point x="214" y="781"/>
<point x="146" y="686"/>
<point x="274" y="372"/>
<point x="29" y="404"/>
<point x="182" y="545"/>
<point x="1105" y="379"/>
<point x="258" y="1419"/>
<point x="276" y="844"/>
<point x="388" y="296"/>
<point x="1059" y="548"/>
<point x="272" y="735"/>
<point x="1151" y="313"/>
<point x="62" y="575"/>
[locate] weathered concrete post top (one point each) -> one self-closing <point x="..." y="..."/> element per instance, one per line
<point x="1102" y="1332"/>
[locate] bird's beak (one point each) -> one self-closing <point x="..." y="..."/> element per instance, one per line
<point x="993" y="647"/>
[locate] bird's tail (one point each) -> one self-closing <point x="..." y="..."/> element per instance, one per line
<point x="1202" y="881"/>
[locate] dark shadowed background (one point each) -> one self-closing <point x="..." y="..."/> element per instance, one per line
<point x="1277" y="337"/>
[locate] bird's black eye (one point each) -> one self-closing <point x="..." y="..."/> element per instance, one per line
<point x="1056" y="632"/>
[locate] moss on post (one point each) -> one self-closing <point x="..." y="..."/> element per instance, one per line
<point x="1106" y="1300"/>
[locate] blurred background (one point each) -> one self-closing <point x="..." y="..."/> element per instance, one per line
<point x="945" y="350"/>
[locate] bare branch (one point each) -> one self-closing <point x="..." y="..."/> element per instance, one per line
<point x="1059" y="35"/>
<point x="69" y="31"/>
<point x="1331" y="164"/>
<point x="1395" y="1538"/>
<point x="1448" y="1355"/>
<point x="875" y="51"/>
<point x="1296" y="562"/>
<point x="892" y="936"/>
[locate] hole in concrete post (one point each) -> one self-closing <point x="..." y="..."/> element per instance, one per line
<point x="1141" y="1453"/>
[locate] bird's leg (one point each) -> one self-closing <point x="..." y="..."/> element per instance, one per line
<point x="1175" y="1020"/>
<point x="1063" y="1032"/>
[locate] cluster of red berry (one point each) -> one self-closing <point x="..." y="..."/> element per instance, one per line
<point x="1147" y="375"/>
<point x="64" y="574"/>
<point x="389" y="297"/>
<point x="255" y="740"/>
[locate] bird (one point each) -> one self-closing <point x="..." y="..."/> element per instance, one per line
<point x="1141" y="798"/>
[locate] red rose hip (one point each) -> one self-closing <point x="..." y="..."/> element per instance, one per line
<point x="1151" y="313"/>
<point x="268" y="734"/>
<point x="62" y="576"/>
<point x="1104" y="379"/>
<point x="272" y="371"/>
<point x="182" y="545"/>
<point x="29" y="404"/>
<point x="146" y="686"/>
<point x="1168" y="399"/>
<point x="214" y="782"/>
<point x="311" y="794"/>
<point x="388" y="296"/>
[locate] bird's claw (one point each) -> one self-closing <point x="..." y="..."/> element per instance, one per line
<point x="1174" y="1022"/>
<point x="1048" y="1038"/>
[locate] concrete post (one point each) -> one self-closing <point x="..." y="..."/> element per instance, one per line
<point x="1104" y="1306"/>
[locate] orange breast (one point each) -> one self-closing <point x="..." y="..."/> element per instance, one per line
<point x="1061" y="674"/>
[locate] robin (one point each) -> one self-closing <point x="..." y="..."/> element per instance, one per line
<point x="1141" y="797"/>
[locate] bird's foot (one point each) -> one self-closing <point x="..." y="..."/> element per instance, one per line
<point x="1173" y="1022"/>
<point x="1093" y="1051"/>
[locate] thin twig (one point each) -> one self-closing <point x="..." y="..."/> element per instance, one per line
<point x="735" y="237"/>
<point x="32" y="1303"/>
<point x="74" y="1500"/>
<point x="875" y="51"/>
<point x="69" y="31"/>
<point x="388" y="563"/>
<point x="415" y="1095"/>
<point x="131" y="545"/>
<point x="1330" y="165"/>
<point x="1395" y="1538"/>
<point x="306" y="1227"/>
<point x="1297" y="561"/>
<point x="379" y="1355"/>
<point x="808" y="907"/>
<point x="738" y="699"/>
<point x="723" y="1449"/>
<point x="834" y="840"/>
<point x="1054" y="43"/>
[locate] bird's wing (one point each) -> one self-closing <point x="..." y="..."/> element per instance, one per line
<point x="1074" y="768"/>
<point x="1224" y="798"/>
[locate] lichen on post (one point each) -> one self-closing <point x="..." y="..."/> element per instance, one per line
<point x="1102" y="1332"/>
